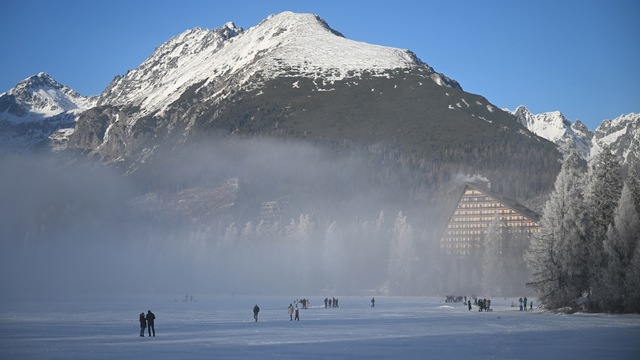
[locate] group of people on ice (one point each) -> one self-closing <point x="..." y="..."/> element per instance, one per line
<point x="483" y="304"/>
<point x="304" y="302"/>
<point x="333" y="302"/>
<point x="148" y="323"/>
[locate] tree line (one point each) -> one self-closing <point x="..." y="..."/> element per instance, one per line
<point x="587" y="255"/>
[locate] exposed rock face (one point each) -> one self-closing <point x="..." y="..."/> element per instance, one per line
<point x="34" y="109"/>
<point x="621" y="135"/>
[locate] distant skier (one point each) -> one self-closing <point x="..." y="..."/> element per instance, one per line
<point x="373" y="302"/>
<point x="469" y="302"/>
<point x="297" y="315"/>
<point x="150" y="325"/>
<point x="290" y="309"/>
<point x="256" y="310"/>
<point x="143" y="324"/>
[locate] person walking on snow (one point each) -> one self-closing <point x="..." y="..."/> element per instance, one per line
<point x="290" y="309"/>
<point x="256" y="310"/>
<point x="143" y="324"/>
<point x="373" y="302"/>
<point x="297" y="315"/>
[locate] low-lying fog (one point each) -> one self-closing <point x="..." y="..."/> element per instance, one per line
<point x="191" y="223"/>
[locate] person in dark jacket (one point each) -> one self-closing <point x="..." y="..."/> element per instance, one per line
<point x="150" y="326"/>
<point x="143" y="324"/>
<point x="256" y="310"/>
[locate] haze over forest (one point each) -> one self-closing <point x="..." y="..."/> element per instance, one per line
<point x="253" y="161"/>
<point x="88" y="228"/>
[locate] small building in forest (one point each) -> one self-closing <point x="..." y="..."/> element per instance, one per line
<point x="476" y="209"/>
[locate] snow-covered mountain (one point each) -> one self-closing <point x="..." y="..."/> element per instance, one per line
<point x="554" y="127"/>
<point x="293" y="77"/>
<point x="214" y="66"/>
<point x="37" y="107"/>
<point x="285" y="44"/>
<point x="621" y="135"/>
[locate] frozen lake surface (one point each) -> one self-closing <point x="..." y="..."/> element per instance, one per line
<point x="223" y="327"/>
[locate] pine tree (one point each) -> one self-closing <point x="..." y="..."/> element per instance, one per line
<point x="556" y="254"/>
<point x="603" y="193"/>
<point x="633" y="181"/>
<point x="493" y="276"/>
<point x="619" y="248"/>
<point x="632" y="284"/>
<point x="401" y="255"/>
<point x="334" y="261"/>
<point x="514" y="248"/>
<point x="300" y="236"/>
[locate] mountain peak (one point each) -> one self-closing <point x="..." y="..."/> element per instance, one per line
<point x="38" y="81"/>
<point x="288" y="20"/>
<point x="282" y="45"/>
<point x="621" y="134"/>
<point x="35" y="108"/>
<point x="232" y="27"/>
<point x="556" y="128"/>
<point x="38" y="97"/>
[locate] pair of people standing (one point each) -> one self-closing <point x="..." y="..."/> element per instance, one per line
<point x="147" y="322"/>
<point x="291" y="312"/>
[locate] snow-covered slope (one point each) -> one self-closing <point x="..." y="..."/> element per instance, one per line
<point x="181" y="61"/>
<point x="39" y="97"/>
<point x="621" y="135"/>
<point x="554" y="127"/>
<point x="36" y="108"/>
<point x="282" y="44"/>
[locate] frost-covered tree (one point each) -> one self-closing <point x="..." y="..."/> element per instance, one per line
<point x="493" y="276"/>
<point x="229" y="237"/>
<point x="514" y="248"/>
<point x="247" y="235"/>
<point x="401" y="255"/>
<point x="556" y="255"/>
<point x="334" y="258"/>
<point x="632" y="284"/>
<point x="602" y="195"/>
<point x="300" y="237"/>
<point x="619" y="249"/>
<point x="633" y="181"/>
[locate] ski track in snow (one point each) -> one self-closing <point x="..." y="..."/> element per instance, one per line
<point x="223" y="327"/>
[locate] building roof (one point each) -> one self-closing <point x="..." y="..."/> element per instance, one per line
<point x="510" y="203"/>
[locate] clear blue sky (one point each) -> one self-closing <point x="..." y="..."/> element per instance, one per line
<point x="579" y="57"/>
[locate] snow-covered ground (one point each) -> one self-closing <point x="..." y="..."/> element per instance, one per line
<point x="223" y="328"/>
